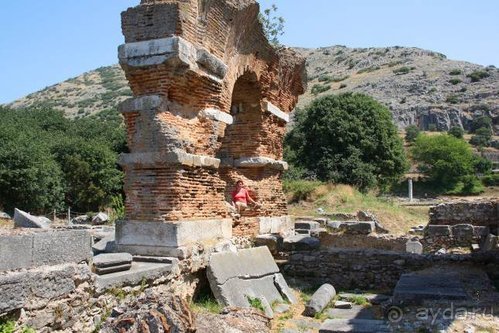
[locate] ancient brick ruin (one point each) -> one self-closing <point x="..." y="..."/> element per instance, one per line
<point x="212" y="100"/>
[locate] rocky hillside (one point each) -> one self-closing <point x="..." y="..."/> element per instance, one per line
<point x="420" y="87"/>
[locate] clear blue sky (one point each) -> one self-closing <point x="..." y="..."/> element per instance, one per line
<point x="45" y="42"/>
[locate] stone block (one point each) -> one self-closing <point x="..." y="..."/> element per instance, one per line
<point x="490" y="243"/>
<point x="414" y="246"/>
<point x="308" y="225"/>
<point x="320" y="299"/>
<point x="112" y="269"/>
<point x="168" y="238"/>
<point x="259" y="162"/>
<point x="437" y="230"/>
<point x="137" y="273"/>
<point x="151" y="103"/>
<point x="112" y="259"/>
<point x="273" y="242"/>
<point x="100" y="218"/>
<point x="215" y="114"/>
<point x="26" y="220"/>
<point x="44" y="248"/>
<point x="462" y="231"/>
<point x="275" y="225"/>
<point x="36" y="286"/>
<point x="58" y="247"/>
<point x="105" y="245"/>
<point x="300" y="243"/>
<point x="82" y="219"/>
<point x="362" y="228"/>
<point x="16" y="252"/>
<point x="302" y="232"/>
<point x="274" y="110"/>
<point x="480" y="231"/>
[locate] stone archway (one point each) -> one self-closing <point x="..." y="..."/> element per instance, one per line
<point x="189" y="64"/>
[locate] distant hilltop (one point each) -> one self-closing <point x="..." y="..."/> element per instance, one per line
<point x="418" y="86"/>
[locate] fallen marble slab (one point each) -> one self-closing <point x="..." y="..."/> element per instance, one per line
<point x="238" y="278"/>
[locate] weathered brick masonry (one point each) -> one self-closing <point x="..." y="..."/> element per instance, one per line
<point x="211" y="104"/>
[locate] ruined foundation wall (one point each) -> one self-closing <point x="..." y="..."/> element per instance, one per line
<point x="480" y="213"/>
<point x="348" y="269"/>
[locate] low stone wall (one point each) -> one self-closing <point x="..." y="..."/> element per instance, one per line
<point x="480" y="213"/>
<point x="348" y="269"/>
<point x="33" y="248"/>
<point x="451" y="236"/>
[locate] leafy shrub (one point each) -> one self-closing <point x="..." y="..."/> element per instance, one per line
<point x="411" y="133"/>
<point x="455" y="72"/>
<point x="482" y="137"/>
<point x="456" y="131"/>
<point x="453" y="99"/>
<point x="319" y="88"/>
<point x="402" y="70"/>
<point x="491" y="180"/>
<point x="480" y="122"/>
<point x="432" y="127"/>
<point x="478" y="75"/>
<point x="455" y="81"/>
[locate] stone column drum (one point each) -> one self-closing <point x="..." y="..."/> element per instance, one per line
<point x="211" y="103"/>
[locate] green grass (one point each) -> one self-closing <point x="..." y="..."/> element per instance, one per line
<point x="359" y="300"/>
<point x="206" y="303"/>
<point x="256" y="303"/>
<point x="9" y="326"/>
<point x="305" y="197"/>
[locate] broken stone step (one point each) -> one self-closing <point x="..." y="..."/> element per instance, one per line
<point x="112" y="269"/>
<point x="112" y="259"/>
<point x="137" y="273"/>
<point x="307" y="225"/>
<point x="354" y="326"/>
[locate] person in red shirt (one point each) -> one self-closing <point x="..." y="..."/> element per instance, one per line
<point x="241" y="197"/>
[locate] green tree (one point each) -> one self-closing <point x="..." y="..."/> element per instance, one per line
<point x="448" y="162"/>
<point x="48" y="161"/>
<point x="349" y="138"/>
<point x="411" y="133"/>
<point x="456" y="131"/>
<point x="273" y="25"/>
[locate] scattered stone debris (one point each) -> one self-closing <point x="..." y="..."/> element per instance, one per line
<point x="166" y="314"/>
<point x="233" y="320"/>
